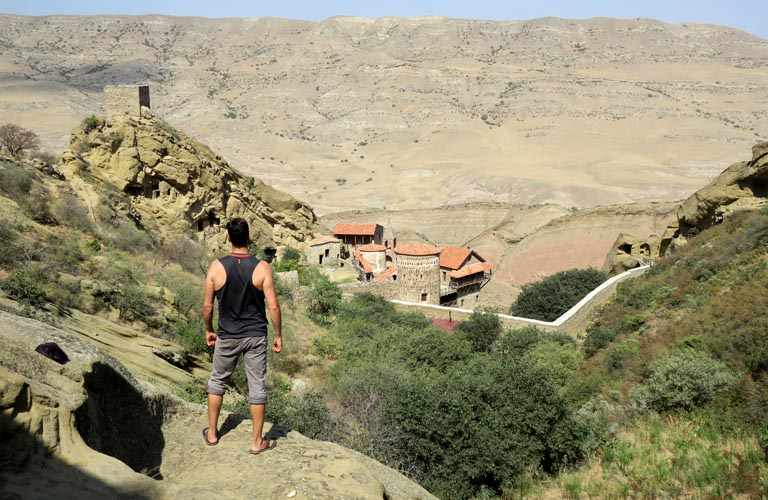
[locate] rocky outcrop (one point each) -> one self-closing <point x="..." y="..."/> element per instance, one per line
<point x="742" y="186"/>
<point x="181" y="184"/>
<point x="629" y="252"/>
<point x="88" y="429"/>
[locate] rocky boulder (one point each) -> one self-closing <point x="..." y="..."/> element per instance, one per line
<point x="742" y="186"/>
<point x="181" y="184"/>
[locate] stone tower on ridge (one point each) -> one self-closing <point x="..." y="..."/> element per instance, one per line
<point x="125" y="99"/>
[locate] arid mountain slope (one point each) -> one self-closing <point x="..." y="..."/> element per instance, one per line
<point x="411" y="113"/>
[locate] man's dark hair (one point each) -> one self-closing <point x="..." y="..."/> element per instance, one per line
<point x="237" y="229"/>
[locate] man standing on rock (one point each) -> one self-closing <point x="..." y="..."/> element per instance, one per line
<point x="240" y="283"/>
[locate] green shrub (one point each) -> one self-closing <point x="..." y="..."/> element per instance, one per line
<point x="324" y="296"/>
<point x="562" y="361"/>
<point x="517" y="342"/>
<point x="549" y="298"/>
<point x="291" y="254"/>
<point x="482" y="329"/>
<point x="38" y="205"/>
<point x="188" y="334"/>
<point x="69" y="210"/>
<point x="476" y="424"/>
<point x="10" y="251"/>
<point x="617" y="355"/>
<point x="684" y="379"/>
<point x="597" y="338"/>
<point x="129" y="238"/>
<point x="91" y="123"/>
<point x="308" y="414"/>
<point x="24" y="288"/>
<point x="15" y="180"/>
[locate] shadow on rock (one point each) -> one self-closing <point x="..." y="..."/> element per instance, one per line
<point x="118" y="420"/>
<point x="29" y="470"/>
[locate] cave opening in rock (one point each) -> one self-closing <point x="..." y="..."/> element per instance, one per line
<point x="118" y="420"/>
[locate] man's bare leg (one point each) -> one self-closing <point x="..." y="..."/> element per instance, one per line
<point x="257" y="414"/>
<point x="214" y="408"/>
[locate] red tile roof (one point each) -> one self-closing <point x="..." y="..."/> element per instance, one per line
<point x="445" y="324"/>
<point x="348" y="229"/>
<point x="475" y="268"/>
<point x="453" y="257"/>
<point x="386" y="274"/>
<point x="366" y="265"/>
<point x="417" y="249"/>
<point x="372" y="247"/>
<point x="322" y="240"/>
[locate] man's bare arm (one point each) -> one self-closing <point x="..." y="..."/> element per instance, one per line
<point x="208" y="294"/>
<point x="268" y="287"/>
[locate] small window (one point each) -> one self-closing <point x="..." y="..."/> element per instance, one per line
<point x="424" y="297"/>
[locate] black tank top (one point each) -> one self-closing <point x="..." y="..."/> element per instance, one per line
<point x="241" y="305"/>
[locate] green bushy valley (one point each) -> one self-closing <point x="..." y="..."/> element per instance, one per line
<point x="665" y="395"/>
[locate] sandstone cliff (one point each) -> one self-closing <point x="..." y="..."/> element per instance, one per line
<point x="88" y="429"/>
<point x="177" y="183"/>
<point x="742" y="186"/>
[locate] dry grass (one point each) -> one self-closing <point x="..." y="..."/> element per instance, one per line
<point x="667" y="457"/>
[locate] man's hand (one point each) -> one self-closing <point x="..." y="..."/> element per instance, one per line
<point x="277" y="345"/>
<point x="210" y="338"/>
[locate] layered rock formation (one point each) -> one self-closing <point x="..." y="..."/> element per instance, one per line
<point x="180" y="184"/>
<point x="742" y="186"/>
<point x="89" y="430"/>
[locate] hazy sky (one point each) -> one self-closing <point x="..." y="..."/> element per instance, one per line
<point x="749" y="15"/>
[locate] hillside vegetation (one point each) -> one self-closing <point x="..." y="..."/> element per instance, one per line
<point x="666" y="394"/>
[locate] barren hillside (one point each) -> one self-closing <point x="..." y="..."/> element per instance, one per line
<point x="411" y="113"/>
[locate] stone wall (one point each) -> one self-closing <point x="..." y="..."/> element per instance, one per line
<point x="378" y="260"/>
<point x="129" y="99"/>
<point x="418" y="277"/>
<point x="323" y="253"/>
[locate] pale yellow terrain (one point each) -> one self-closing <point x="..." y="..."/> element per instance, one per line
<point x="415" y="113"/>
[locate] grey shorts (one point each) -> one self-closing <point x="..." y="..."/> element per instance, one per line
<point x="225" y="356"/>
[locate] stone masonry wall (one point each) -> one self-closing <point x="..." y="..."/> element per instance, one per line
<point x="125" y="99"/>
<point x="377" y="259"/>
<point x="419" y="275"/>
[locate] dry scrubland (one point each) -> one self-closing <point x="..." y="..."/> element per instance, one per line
<point x="411" y="113"/>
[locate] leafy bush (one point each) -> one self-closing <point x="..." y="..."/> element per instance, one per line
<point x="38" y="205"/>
<point x="481" y="329"/>
<point x="10" y="252"/>
<point x="549" y="298"/>
<point x="91" y="123"/>
<point x="15" y="181"/>
<point x="24" y="288"/>
<point x="562" y="361"/>
<point x="70" y="211"/>
<point x="684" y="379"/>
<point x="457" y="420"/>
<point x="191" y="255"/>
<point x="129" y="238"/>
<point x="324" y="295"/>
<point x="477" y="424"/>
<point x="291" y="254"/>
<point x="188" y="334"/>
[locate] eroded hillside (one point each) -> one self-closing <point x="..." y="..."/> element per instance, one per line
<point x="404" y="113"/>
